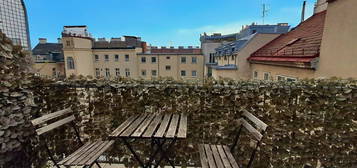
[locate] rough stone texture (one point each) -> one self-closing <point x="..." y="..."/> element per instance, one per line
<point x="15" y="105"/>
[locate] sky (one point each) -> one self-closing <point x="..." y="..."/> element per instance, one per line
<point x="158" y="22"/>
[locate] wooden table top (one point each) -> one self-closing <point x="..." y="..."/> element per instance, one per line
<point x="168" y="126"/>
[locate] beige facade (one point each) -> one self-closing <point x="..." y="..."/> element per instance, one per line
<point x="82" y="58"/>
<point x="338" y="50"/>
<point x="175" y="66"/>
<point x="239" y="59"/>
<point x="273" y="72"/>
<point x="49" y="69"/>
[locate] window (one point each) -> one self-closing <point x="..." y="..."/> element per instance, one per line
<point x="107" y="72"/>
<point x="225" y="58"/>
<point x="127" y="72"/>
<point x="97" y="72"/>
<point x="211" y="58"/>
<point x="54" y="73"/>
<point x="68" y="43"/>
<point x="285" y="78"/>
<point x="255" y="75"/>
<point x="106" y="57"/>
<point x="117" y="72"/>
<point x="183" y="60"/>
<point x="168" y="67"/>
<point x="194" y="73"/>
<point x="153" y="59"/>
<point x="183" y="73"/>
<point x="266" y="76"/>
<point x="232" y="57"/>
<point x="194" y="60"/>
<point x="70" y="63"/>
<point x="96" y="57"/>
<point x="153" y="72"/>
<point x="143" y="59"/>
<point x="127" y="58"/>
<point x="168" y="57"/>
<point x="116" y="57"/>
<point x="143" y="73"/>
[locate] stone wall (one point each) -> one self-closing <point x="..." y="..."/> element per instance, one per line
<point x="310" y="122"/>
<point x="15" y="106"/>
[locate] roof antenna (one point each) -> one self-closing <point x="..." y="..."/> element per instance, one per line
<point x="303" y="12"/>
<point x="265" y="12"/>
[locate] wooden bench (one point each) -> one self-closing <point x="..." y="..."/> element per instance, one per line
<point x="220" y="156"/>
<point x="86" y="155"/>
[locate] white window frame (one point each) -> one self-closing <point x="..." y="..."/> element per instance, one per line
<point x="269" y="76"/>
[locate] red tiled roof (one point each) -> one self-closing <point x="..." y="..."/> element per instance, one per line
<point x="301" y="44"/>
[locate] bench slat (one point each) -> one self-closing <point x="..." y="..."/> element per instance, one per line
<point x="92" y="155"/>
<point x="231" y="159"/>
<point x="100" y="152"/>
<point x="203" y="156"/>
<point x="216" y="156"/>
<point x="260" y="124"/>
<point x="163" y="127"/>
<point x="152" y="127"/>
<point x="210" y="158"/>
<point x="74" y="153"/>
<point x="256" y="134"/>
<point x="54" y="125"/>
<point x="84" y="154"/>
<point x="48" y="117"/>
<point x="182" y="132"/>
<point x="71" y="158"/>
<point x="223" y="156"/>
<point x="171" y="132"/>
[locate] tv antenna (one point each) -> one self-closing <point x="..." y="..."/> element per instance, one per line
<point x="265" y="12"/>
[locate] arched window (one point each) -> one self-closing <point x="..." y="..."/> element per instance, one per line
<point x="70" y="63"/>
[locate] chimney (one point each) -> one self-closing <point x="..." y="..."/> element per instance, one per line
<point x="190" y="47"/>
<point x="42" y="40"/>
<point x="59" y="40"/>
<point x="181" y="47"/>
<point x="144" y="47"/>
<point x="303" y="12"/>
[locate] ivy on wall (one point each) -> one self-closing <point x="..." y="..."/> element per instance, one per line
<point x="310" y="122"/>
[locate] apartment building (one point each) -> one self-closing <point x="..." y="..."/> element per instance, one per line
<point x="293" y="55"/>
<point x="176" y="63"/>
<point x="48" y="59"/>
<point x="231" y="58"/>
<point x="127" y="57"/>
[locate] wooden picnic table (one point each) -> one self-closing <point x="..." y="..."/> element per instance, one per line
<point x="162" y="130"/>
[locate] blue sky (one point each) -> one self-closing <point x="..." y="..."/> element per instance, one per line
<point x="159" y="22"/>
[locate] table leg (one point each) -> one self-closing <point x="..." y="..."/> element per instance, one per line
<point x="152" y="157"/>
<point x="164" y="153"/>
<point x="133" y="152"/>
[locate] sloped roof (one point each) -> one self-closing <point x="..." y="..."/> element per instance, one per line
<point x="302" y="44"/>
<point x="45" y="49"/>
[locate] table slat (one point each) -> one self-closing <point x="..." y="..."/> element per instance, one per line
<point x="123" y="126"/>
<point x="140" y="130"/>
<point x="182" y="132"/>
<point x="152" y="127"/>
<point x="163" y="126"/>
<point x="133" y="126"/>
<point x="171" y="132"/>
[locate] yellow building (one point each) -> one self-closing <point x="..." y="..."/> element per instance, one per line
<point x="338" y="50"/>
<point x="235" y="65"/>
<point x="48" y="59"/>
<point x="127" y="57"/>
